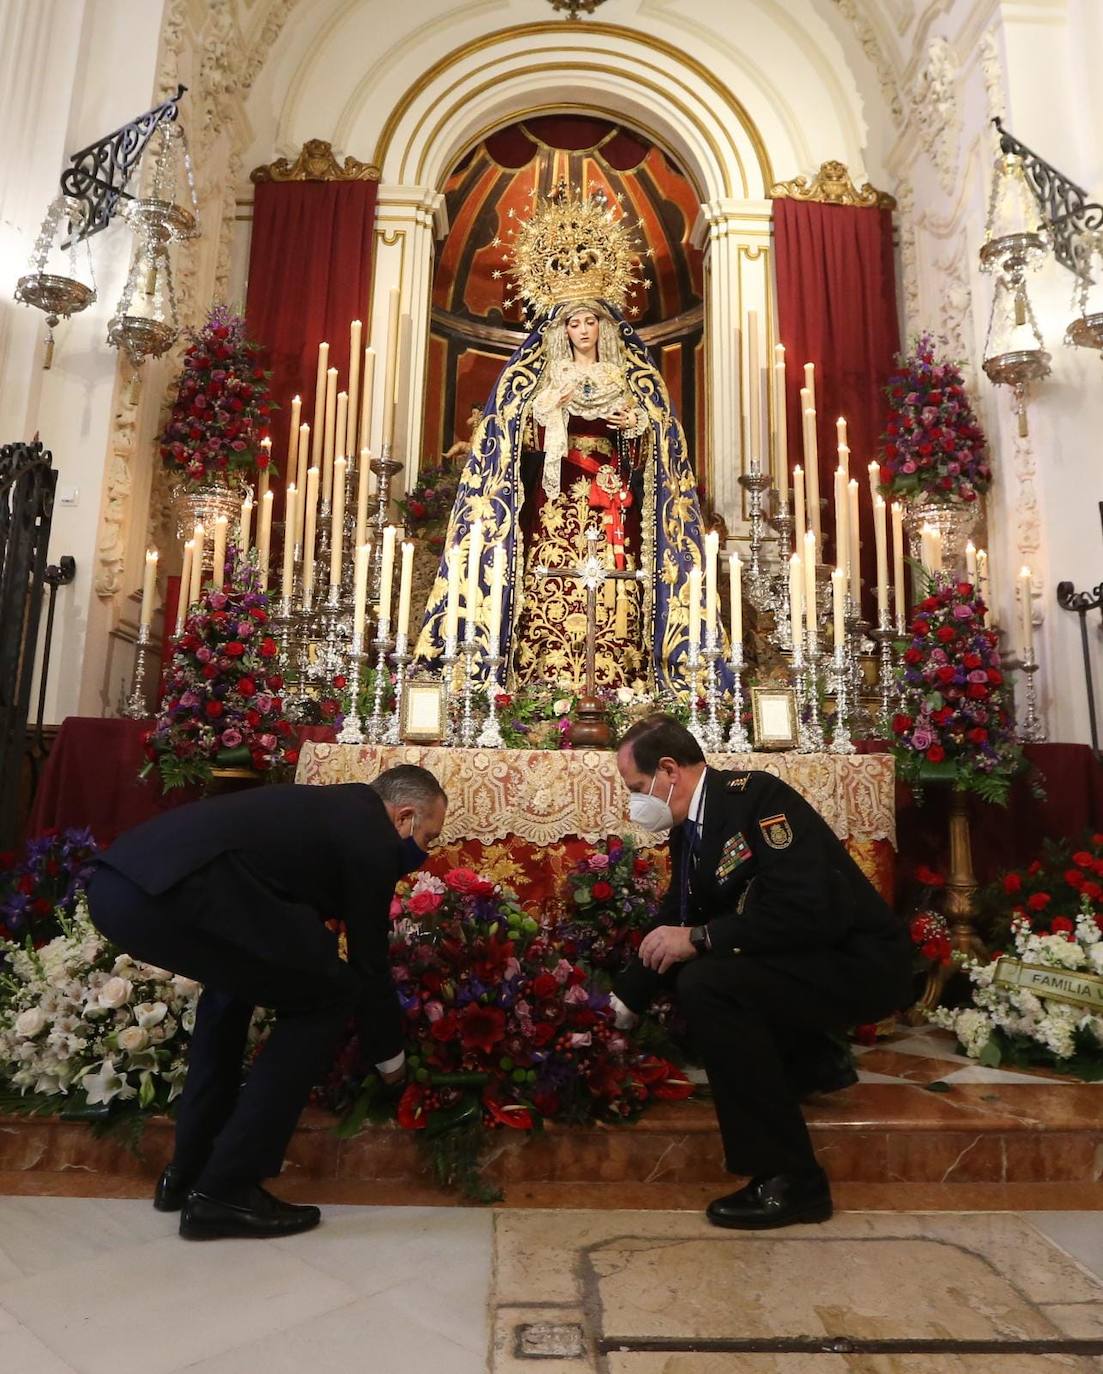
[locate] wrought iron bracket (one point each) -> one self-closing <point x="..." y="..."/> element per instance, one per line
<point x="1080" y="603"/>
<point x="100" y="172"/>
<point x="1068" y="213"/>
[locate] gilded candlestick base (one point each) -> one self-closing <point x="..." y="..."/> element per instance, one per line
<point x="136" y="707"/>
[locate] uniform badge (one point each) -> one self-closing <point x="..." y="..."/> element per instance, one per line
<point x="776" y="831"/>
<point x="737" y="782"/>
<point x="736" y="851"/>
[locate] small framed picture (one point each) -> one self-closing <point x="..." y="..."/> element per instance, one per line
<point x="775" y="717"/>
<point x="423" y="711"/>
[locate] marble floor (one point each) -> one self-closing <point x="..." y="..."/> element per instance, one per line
<point x="104" y="1286"/>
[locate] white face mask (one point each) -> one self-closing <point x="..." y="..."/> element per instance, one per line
<point x="650" y="812"/>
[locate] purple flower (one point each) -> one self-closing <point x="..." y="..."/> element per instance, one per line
<point x="922" y="739"/>
<point x="963" y="612"/>
<point x="219" y="601"/>
<point x="203" y="654"/>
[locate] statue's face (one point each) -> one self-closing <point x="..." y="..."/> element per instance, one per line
<point x="582" y="330"/>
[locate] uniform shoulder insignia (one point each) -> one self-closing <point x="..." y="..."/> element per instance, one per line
<point x="776" y="831"/>
<point x="737" y="782"/>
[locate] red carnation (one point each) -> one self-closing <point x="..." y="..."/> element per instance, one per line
<point x="1038" y="901"/>
<point x="481" y="1028"/>
<point x="1012" y="883"/>
<point x="1061" y="925"/>
<point x="978" y="735"/>
<point x="901" y="724"/>
<point x="1084" y="859"/>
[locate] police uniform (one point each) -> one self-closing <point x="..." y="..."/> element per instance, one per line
<point x="793" y="942"/>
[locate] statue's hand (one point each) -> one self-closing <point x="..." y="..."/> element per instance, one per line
<point x="619" y="418"/>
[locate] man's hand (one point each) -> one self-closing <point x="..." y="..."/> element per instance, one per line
<point x="666" y="946"/>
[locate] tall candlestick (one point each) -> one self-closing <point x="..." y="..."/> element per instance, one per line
<point x="293" y="436"/>
<point x="1026" y="614"/>
<point x="840" y="433"/>
<point x="712" y="545"/>
<point x="351" y="432"/>
<point x="330" y="432"/>
<point x="497" y="590"/>
<point x="149" y="587"/>
<point x="337" y="527"/>
<point x="838" y="604"/>
<point x="809" y="567"/>
<point x="340" y="433"/>
<point x="360" y="589"/>
<point x="474" y="561"/>
<point x="290" y="523"/>
<point x="781" y="430"/>
<point x="810" y="383"/>
<point x="402" y="629"/>
<point x="754" y="384"/>
<point x="855" y="535"/>
<point x="184" y="595"/>
<point x="694" y="611"/>
<point x="798" y="509"/>
<point x="796" y="595"/>
<point x="245" y="525"/>
<point x="264" y="538"/>
<point x="218" y="570"/>
<point x="971" y="562"/>
<point x="735" y="574"/>
<point x="320" y="405"/>
<point x="874" y="480"/>
<point x="452" y="605"/>
<point x="880" y="537"/>
<point x="362" y="495"/>
<point x="812" y="469"/>
<point x="264" y="470"/>
<point x="300" y="483"/>
<point x="310" y="530"/>
<point x="366" y="403"/>
<point x="386" y="578"/>
<point x="842" y="521"/>
<point x="390" y="377"/>
<point x="898" y="587"/>
<point x="198" y="538"/>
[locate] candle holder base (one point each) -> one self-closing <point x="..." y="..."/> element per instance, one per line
<point x="590" y="725"/>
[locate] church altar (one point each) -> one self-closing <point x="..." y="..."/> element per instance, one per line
<point x="525" y="817"/>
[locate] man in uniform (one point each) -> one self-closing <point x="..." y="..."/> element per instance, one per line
<point x="771" y="937"/>
<point x="233" y="892"/>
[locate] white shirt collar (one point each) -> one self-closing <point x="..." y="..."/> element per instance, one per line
<point x="696" y="810"/>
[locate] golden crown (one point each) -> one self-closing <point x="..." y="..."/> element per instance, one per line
<point x="572" y="247"/>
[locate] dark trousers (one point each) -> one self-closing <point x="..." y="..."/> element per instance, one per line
<point x="754" y="1019"/>
<point x="217" y="928"/>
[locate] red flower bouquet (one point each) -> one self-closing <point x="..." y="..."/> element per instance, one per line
<point x="932" y="442"/>
<point x="612" y="900"/>
<point x="222" y="408"/>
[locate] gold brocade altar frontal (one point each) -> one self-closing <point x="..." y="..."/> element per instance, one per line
<point x="544" y="796"/>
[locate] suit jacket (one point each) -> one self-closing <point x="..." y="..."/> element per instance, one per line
<point x="769" y="876"/>
<point x="332" y="850"/>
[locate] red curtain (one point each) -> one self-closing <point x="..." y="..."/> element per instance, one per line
<point x="310" y="266"/>
<point x="836" y="306"/>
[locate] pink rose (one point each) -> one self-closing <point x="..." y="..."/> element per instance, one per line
<point x="562" y="971"/>
<point x="423" y="903"/>
<point x="396" y="909"/>
<point x="598" y="863"/>
<point x="577" y="995"/>
<point x="434" y="1011"/>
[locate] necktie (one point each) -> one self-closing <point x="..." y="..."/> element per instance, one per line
<point x="689" y="861"/>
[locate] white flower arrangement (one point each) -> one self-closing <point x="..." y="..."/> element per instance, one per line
<point x="1017" y="1025"/>
<point x="85" y="1025"/>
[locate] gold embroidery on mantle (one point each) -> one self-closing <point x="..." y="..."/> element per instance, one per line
<point x="316" y="162"/>
<point x="832" y="185"/>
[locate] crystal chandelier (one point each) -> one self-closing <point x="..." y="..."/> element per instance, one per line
<point x="58" y="295"/>
<point x="1086" y="329"/>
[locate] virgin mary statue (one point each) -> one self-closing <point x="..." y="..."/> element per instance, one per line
<point x="578" y="455"/>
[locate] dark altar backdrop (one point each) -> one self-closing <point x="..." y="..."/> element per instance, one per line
<point x="310" y="269"/>
<point x="836" y="307"/>
<point x="472" y="333"/>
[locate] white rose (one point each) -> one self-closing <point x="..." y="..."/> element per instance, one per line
<point x="625" y="695"/>
<point x="159" y="975"/>
<point x="185" y="987"/>
<point x="133" y="1039"/>
<point x="115" y="993"/>
<point x="30" y="1023"/>
<point x="149" y="1014"/>
<point x="561" y="706"/>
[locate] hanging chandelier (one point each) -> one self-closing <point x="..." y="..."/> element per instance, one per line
<point x="57" y="295"/>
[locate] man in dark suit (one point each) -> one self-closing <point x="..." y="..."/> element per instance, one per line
<point x="770" y="937"/>
<point x="233" y="892"/>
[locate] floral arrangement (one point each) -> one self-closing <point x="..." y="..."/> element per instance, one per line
<point x="1015" y="1025"/>
<point x="43" y="882"/>
<point x="221" y="704"/>
<point x="955" y="723"/>
<point x="84" y="1027"/>
<point x="503" y="1031"/>
<point x="932" y="442"/>
<point x="222" y="407"/>
<point x="539" y="717"/>
<point x="430" y="501"/>
<point x="612" y="900"/>
<point x="1050" y="891"/>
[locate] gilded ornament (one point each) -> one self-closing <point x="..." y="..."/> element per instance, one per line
<point x="832" y="185"/>
<point x="316" y="162"/>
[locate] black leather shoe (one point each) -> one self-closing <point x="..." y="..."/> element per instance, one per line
<point x="172" y="1188"/>
<point x="783" y="1200"/>
<point x="252" y="1212"/>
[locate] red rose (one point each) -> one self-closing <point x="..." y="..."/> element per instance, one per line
<point x="901" y="724"/>
<point x="214" y="709"/>
<point x="945" y="673"/>
<point x="994" y="675"/>
<point x="418" y="510"/>
<point x="339" y="681"/>
<point x="462" y="880"/>
<point x="978" y="735"/>
<point x="273" y="682"/>
<point x="282" y="728"/>
<point x="601" y="891"/>
<point x="972" y="661"/>
<point x="1075" y="878"/>
<point x="329" y="709"/>
<point x="1034" y="867"/>
<point x="936" y="753"/>
<point x="502" y="700"/>
<point x="291" y="756"/>
<point x="252" y="718"/>
<point x="1084" y="859"/>
<point x="1038" y="901"/>
<point x="234" y="649"/>
<point x="543" y="1033"/>
<point x="945" y="633"/>
<point x="481" y="1028"/>
<point x="258" y="614"/>
<point x="913" y="655"/>
<point x="445" y="1028"/>
<point x="424" y="903"/>
<point x="544" y="986"/>
<point x="1061" y="925"/>
<point x="1093" y="891"/>
<point x="640" y="866"/>
<point x="977" y="691"/>
<point x="246" y="686"/>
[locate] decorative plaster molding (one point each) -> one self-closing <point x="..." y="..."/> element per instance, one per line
<point x="1028" y="517"/>
<point x="936" y="111"/>
<point x="316" y="162"/>
<point x="832" y="185"/>
<point x="853" y="11"/>
<point x="956" y="307"/>
<point x="111" y="541"/>
<point x="995" y="88"/>
<point x="909" y="255"/>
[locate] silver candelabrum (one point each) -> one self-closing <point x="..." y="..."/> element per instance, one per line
<point x="352" y="731"/>
<point x="385" y="467"/>
<point x="693" y="663"/>
<point x="1032" y="730"/>
<point x="755" y="483"/>
<point x="738" y="739"/>
<point x="467" y="723"/>
<point x="490" y="737"/>
<point x="381" y="645"/>
<point x="841" y="743"/>
<point x="401" y="658"/>
<point x="136" y="707"/>
<point x="448" y="681"/>
<point x="783" y="625"/>
<point x="805" y="669"/>
<point x="712" y="734"/>
<point x="884" y="636"/>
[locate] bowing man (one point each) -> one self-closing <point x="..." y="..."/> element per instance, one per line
<point x="771" y="938"/>
<point x="233" y="892"/>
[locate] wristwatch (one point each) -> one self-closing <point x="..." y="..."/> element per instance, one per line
<point x="699" y="939"/>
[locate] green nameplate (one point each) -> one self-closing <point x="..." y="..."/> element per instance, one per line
<point x="1059" y="985"/>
